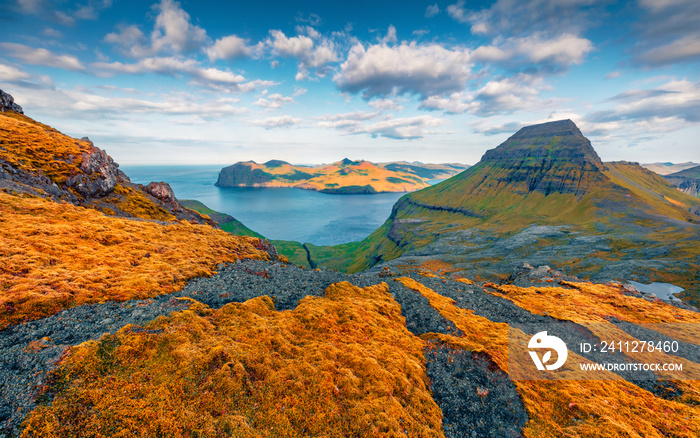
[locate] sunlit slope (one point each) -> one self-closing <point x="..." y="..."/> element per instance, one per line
<point x="57" y="255"/>
<point x="542" y="196"/>
<point x="345" y="176"/>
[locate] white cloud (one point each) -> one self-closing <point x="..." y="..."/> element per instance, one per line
<point x="66" y="103"/>
<point x="43" y="57"/>
<point x="432" y="11"/>
<point x="513" y="17"/>
<point x="390" y="36"/>
<point x="173" y="30"/>
<point x="230" y="47"/>
<point x="223" y="80"/>
<point x="407" y="128"/>
<point x="385" y="105"/>
<point x="686" y="48"/>
<point x="548" y="54"/>
<point x="11" y="74"/>
<point x="51" y="33"/>
<point x="31" y="6"/>
<point x="131" y="40"/>
<point x="425" y="70"/>
<point x="277" y="122"/>
<point x="172" y="33"/>
<point x="498" y="96"/>
<point x="273" y="101"/>
<point x="311" y="53"/>
<point x="679" y="100"/>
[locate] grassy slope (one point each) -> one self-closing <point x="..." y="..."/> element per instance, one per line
<point x="57" y="255"/>
<point x="642" y="209"/>
<point x="293" y="251"/>
<point x="693" y="172"/>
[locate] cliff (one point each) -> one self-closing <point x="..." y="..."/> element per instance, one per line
<point x="687" y="180"/>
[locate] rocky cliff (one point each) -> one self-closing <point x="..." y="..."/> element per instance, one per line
<point x="687" y="181"/>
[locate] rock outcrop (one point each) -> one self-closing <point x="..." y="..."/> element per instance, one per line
<point x="7" y="102"/>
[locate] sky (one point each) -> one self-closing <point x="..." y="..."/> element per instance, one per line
<point x="315" y="81"/>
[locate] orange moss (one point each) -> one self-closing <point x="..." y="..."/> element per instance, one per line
<point x="439" y="267"/>
<point x="35" y="147"/>
<point x="342" y="365"/>
<point x="571" y="408"/>
<point x="56" y="256"/>
<point x="589" y="303"/>
<point x="135" y="203"/>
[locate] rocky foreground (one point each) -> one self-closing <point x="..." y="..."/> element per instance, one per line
<point x="474" y="394"/>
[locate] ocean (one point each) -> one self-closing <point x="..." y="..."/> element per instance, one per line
<point x="305" y="216"/>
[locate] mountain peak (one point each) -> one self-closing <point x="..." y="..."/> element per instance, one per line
<point x="551" y="141"/>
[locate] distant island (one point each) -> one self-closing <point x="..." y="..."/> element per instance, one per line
<point x="342" y="177"/>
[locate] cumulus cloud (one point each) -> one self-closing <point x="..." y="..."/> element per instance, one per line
<point x="311" y="53"/>
<point x="285" y="121"/>
<point x="223" y="80"/>
<point x="89" y="10"/>
<point x="498" y="96"/>
<point x="43" y="57"/>
<point x="230" y="47"/>
<point x="172" y="33"/>
<point x="173" y="30"/>
<point x="273" y="101"/>
<point x="424" y="70"/>
<point x="536" y="52"/>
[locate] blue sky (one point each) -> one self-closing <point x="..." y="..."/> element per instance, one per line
<point x="211" y="82"/>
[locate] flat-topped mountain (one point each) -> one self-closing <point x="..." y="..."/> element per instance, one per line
<point x="344" y="177"/>
<point x="668" y="167"/>
<point x="542" y="196"/>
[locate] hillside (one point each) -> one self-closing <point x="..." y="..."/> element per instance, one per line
<point x="687" y="180"/>
<point x="668" y="168"/>
<point x="114" y="323"/>
<point x="543" y="196"/>
<point x="343" y="177"/>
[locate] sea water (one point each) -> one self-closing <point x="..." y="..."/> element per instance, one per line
<point x="277" y="213"/>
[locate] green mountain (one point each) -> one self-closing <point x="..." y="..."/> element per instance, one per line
<point x="544" y="197"/>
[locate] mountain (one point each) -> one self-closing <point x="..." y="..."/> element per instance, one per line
<point x="545" y="197"/>
<point x="668" y="168"/>
<point x="687" y="180"/>
<point x="116" y="323"/>
<point x="342" y="177"/>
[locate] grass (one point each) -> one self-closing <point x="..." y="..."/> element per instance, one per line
<point x="57" y="256"/>
<point x="337" y="366"/>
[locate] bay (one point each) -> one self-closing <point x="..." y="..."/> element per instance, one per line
<point x="277" y="213"/>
